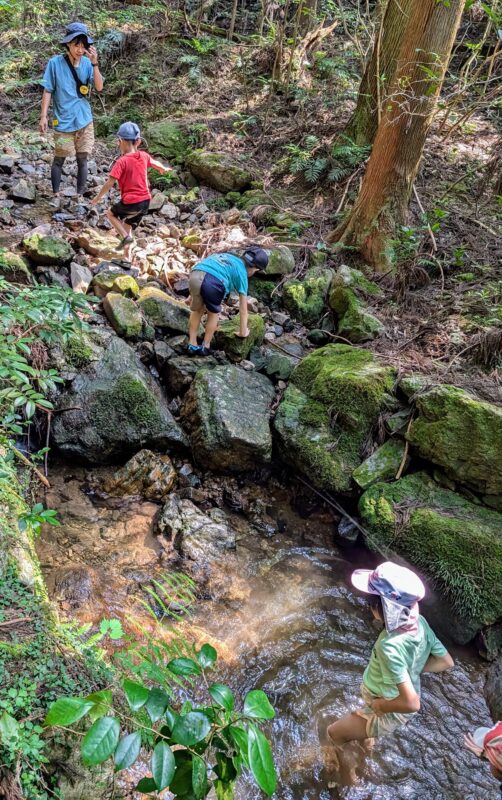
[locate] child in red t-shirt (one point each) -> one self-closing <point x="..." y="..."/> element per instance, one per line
<point x="130" y="172"/>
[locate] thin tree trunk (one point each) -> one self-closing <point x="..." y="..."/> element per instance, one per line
<point x="232" y="20"/>
<point x="307" y="15"/>
<point x="386" y="188"/>
<point x="391" y="23"/>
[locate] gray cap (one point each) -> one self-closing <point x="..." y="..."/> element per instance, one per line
<point x="75" y="29"/>
<point x="129" y="131"/>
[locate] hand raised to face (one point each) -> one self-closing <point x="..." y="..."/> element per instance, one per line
<point x="92" y="53"/>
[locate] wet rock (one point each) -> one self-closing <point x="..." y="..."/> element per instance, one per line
<point x="14" y="267"/>
<point x="73" y="585"/>
<point x="80" y="277"/>
<point x="113" y="408"/>
<point x="348" y="530"/>
<point x="196" y="536"/>
<point x="493" y="690"/>
<point x="347" y="294"/>
<point x="147" y="474"/>
<point x="237" y="348"/>
<point x="456" y="544"/>
<point x="163" y="311"/>
<point x="220" y="170"/>
<point x="462" y="434"/>
<point x="22" y="190"/>
<point x="180" y="371"/>
<point x="382" y="465"/>
<point x="281" y="261"/>
<point x="334" y="398"/>
<point x="114" y="281"/>
<point x="123" y="315"/>
<point x="306" y="299"/>
<point x="167" y="139"/>
<point x="227" y="413"/>
<point x="6" y="164"/>
<point x="97" y="243"/>
<point x="48" y="250"/>
<point x="318" y="337"/>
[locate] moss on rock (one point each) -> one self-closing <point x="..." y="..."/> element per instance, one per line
<point x="461" y="434"/>
<point x="455" y="543"/>
<point x="77" y="350"/>
<point x="355" y="321"/>
<point x="281" y="261"/>
<point x="163" y="311"/>
<point x="235" y="347"/>
<point x="51" y="250"/>
<point x="168" y="139"/>
<point x="306" y="299"/>
<point x="14" y="267"/>
<point x="222" y="171"/>
<point x="123" y="315"/>
<point x="382" y="465"/>
<point x="118" y="282"/>
<point x="334" y="398"/>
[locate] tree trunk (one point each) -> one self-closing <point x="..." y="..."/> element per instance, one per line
<point x="391" y="23"/>
<point x="307" y="15"/>
<point x="410" y="103"/>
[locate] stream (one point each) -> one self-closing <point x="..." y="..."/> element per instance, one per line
<point x="283" y="618"/>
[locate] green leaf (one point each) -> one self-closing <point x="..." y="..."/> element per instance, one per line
<point x="181" y="784"/>
<point x="225" y="769"/>
<point x="184" y="667"/>
<point x="163" y="765"/>
<point x="224" y="791"/>
<point x="199" y="777"/>
<point x="261" y="761"/>
<point x="191" y="729"/>
<point x="9" y="728"/>
<point x="240" y="739"/>
<point x="222" y="696"/>
<point x="207" y="656"/>
<point x="146" y="786"/>
<point x="257" y="705"/>
<point x="127" y="751"/>
<point x="100" y="741"/>
<point x="156" y="704"/>
<point x="67" y="710"/>
<point x="29" y="409"/>
<point x="136" y="694"/>
<point x="171" y="717"/>
<point x="102" y="703"/>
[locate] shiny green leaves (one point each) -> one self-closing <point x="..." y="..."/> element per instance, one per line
<point x="100" y="741"/>
<point x="191" y="728"/>
<point x="67" y="710"/>
<point x="261" y="761"/>
<point x="257" y="705"/>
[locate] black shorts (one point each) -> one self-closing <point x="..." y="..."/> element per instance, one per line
<point x="206" y="290"/>
<point x="132" y="213"/>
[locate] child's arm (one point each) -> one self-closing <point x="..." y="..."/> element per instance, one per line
<point x="243" y="314"/>
<point x="160" y="167"/>
<point x="104" y="190"/>
<point x="438" y="663"/>
<point x="407" y="702"/>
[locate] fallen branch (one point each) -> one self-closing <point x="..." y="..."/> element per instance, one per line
<point x="15" y="621"/>
<point x="30" y="464"/>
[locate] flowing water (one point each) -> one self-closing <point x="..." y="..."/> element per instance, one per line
<point x="289" y="623"/>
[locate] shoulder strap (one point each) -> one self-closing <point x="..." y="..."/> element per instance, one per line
<point x="77" y="80"/>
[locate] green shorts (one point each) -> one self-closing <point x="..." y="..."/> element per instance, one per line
<point x="379" y="726"/>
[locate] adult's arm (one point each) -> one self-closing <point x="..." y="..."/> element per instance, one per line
<point x="438" y="663"/>
<point x="407" y="702"/>
<point x="44" y="111"/>
<point x="97" y="78"/>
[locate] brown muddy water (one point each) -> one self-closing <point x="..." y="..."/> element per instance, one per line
<point x="283" y="618"/>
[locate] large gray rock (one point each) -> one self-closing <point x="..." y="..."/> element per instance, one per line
<point x="222" y="171"/>
<point x="179" y="371"/>
<point x="163" y="311"/>
<point x="114" y="409"/>
<point x="48" y="249"/>
<point x="227" y="412"/>
<point x="22" y="190"/>
<point x="196" y="536"/>
<point x="493" y="690"/>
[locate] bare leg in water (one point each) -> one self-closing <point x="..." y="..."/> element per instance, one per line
<point x="345" y="761"/>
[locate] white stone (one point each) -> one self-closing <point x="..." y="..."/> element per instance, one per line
<point x="80" y="277"/>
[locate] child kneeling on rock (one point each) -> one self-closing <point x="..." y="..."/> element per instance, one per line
<point x="130" y="172"/>
<point x="210" y="281"/>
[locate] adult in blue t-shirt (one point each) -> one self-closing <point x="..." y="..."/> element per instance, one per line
<point x="210" y="281"/>
<point x="67" y="82"/>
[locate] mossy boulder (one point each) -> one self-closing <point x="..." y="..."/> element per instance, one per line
<point x="262" y="205"/>
<point x="123" y="315"/>
<point x="114" y="281"/>
<point x="347" y="294"/>
<point x="262" y="290"/>
<point x="163" y="311"/>
<point x="455" y="543"/>
<point x="305" y="299"/>
<point x="281" y="261"/>
<point x="48" y="249"/>
<point x="14" y="267"/>
<point x="113" y="408"/>
<point x="221" y="171"/>
<point x="462" y="434"/>
<point x="382" y="465"/>
<point x="327" y="412"/>
<point x="167" y="139"/>
<point x="78" y="351"/>
<point x="236" y="348"/>
<point x="227" y="413"/>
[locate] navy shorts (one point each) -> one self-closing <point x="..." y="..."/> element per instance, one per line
<point x="132" y="213"/>
<point x="206" y="290"/>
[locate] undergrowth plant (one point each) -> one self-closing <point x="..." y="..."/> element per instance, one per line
<point x="317" y="164"/>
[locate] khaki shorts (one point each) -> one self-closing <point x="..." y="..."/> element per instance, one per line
<point x="68" y="143"/>
<point x="379" y="726"/>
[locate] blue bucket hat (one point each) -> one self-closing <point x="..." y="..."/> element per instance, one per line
<point x="75" y="29"/>
<point x="129" y="131"/>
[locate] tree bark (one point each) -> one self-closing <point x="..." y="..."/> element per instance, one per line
<point x="410" y="103"/>
<point x="391" y="23"/>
